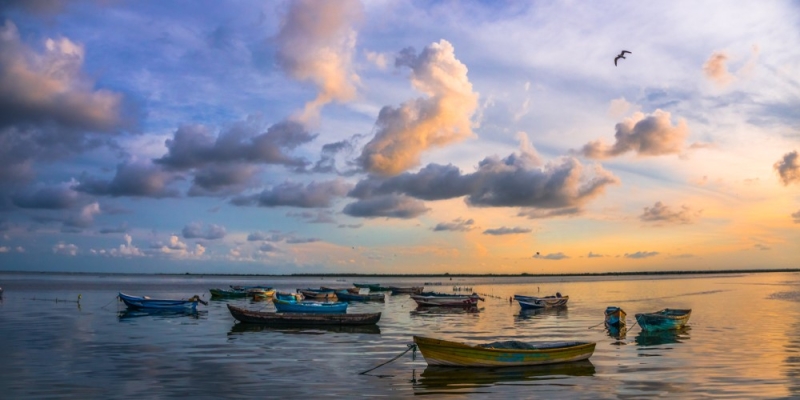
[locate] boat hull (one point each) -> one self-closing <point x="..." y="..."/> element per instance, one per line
<point x="667" y="319"/>
<point x="531" y="302"/>
<point x="302" y="319"/>
<point x="407" y="290"/>
<point x="455" y="354"/>
<point x="446" y="300"/>
<point x="344" y="295"/>
<point x="615" y="316"/>
<point x="311" y="307"/>
<point x="142" y="303"/>
<point x="225" y="293"/>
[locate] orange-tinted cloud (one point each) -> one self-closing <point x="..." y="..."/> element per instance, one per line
<point x="788" y="168"/>
<point x="716" y="69"/>
<point x="646" y="135"/>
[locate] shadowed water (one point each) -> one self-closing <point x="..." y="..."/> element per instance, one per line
<point x="742" y="340"/>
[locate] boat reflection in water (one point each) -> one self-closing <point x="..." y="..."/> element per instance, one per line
<point x="459" y="378"/>
<point x="240" y="328"/>
<point x="645" y="338"/>
<point x="422" y="311"/>
<point x="617" y="331"/>
<point x="129" y="315"/>
<point x="531" y="313"/>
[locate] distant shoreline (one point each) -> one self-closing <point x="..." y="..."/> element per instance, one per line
<point x="445" y="275"/>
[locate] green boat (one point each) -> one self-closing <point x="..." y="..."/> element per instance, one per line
<point x="665" y="319"/>
<point x="228" y="293"/>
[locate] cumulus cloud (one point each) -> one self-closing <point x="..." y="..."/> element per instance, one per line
<point x="796" y="217"/>
<point x="594" y="255"/>
<point x="58" y="197"/>
<point x="127" y="249"/>
<point x="316" y="43"/>
<point x="663" y="213"/>
<point x="220" y="180"/>
<point x="132" y="178"/>
<point x="48" y="108"/>
<point x="641" y="254"/>
<point x="507" y="231"/>
<point x="197" y="230"/>
<point x="65" y="249"/>
<point x="84" y="218"/>
<point x="716" y="69"/>
<point x="514" y="181"/>
<point x="268" y="248"/>
<point x="443" y="117"/>
<point x="551" y="256"/>
<point x="295" y="194"/>
<point x="389" y="205"/>
<point x="457" y="224"/>
<point x="788" y="168"/>
<point x="645" y="135"/>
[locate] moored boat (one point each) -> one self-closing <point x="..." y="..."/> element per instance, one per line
<point x="502" y="354"/>
<point x="445" y="299"/>
<point x="302" y="319"/>
<point x="344" y="295"/>
<point x="229" y="293"/>
<point x="260" y="294"/>
<point x="286" y="296"/>
<point x="147" y="303"/>
<point x="614" y="316"/>
<point x="309" y="306"/>
<point x="318" y="294"/>
<point x="665" y="319"/>
<point x="527" y="302"/>
<point x="409" y="290"/>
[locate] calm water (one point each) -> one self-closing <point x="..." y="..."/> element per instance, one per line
<point x="743" y="341"/>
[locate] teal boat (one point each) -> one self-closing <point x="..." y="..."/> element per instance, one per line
<point x="665" y="319"/>
<point x="228" y="293"/>
<point x="309" y="307"/>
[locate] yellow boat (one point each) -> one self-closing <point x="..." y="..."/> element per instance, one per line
<point x="510" y="353"/>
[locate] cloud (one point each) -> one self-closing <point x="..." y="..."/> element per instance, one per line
<point x="761" y="247"/>
<point x="390" y="206"/>
<point x="404" y="133"/>
<point x="716" y="70"/>
<point x="268" y="248"/>
<point x="197" y="230"/>
<point x="594" y="255"/>
<point x="85" y="218"/>
<point x="50" y="198"/>
<point x="457" y="224"/>
<point x="646" y="135"/>
<point x="127" y="249"/>
<point x="515" y="181"/>
<point x="788" y="168"/>
<point x="796" y="217"/>
<point x="551" y="256"/>
<point x="295" y="194"/>
<point x="295" y="240"/>
<point x="134" y="179"/>
<point x="641" y="254"/>
<point x="662" y="213"/>
<point x="506" y="231"/>
<point x="534" y="213"/>
<point x="319" y="217"/>
<point x="65" y="249"/>
<point x="122" y="228"/>
<point x="316" y="43"/>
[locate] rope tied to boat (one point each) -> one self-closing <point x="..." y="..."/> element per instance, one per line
<point x="413" y="357"/>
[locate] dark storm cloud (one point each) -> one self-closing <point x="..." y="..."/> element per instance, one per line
<point x="662" y="213"/>
<point x="390" y="206"/>
<point x="506" y="231"/>
<point x="788" y="168"/>
<point x="194" y="146"/>
<point x="641" y="254"/>
<point x="458" y="225"/>
<point x="651" y="135"/>
<point x="50" y="198"/>
<point x="515" y="181"/>
<point x="196" y="230"/>
<point x="135" y="179"/>
<point x="313" y="195"/>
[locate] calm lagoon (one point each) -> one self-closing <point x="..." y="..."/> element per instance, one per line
<point x="743" y="340"/>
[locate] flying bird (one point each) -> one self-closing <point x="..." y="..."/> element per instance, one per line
<point x="621" y="55"/>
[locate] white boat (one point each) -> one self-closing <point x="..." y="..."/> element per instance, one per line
<point x="444" y="299"/>
<point x="541" y="302"/>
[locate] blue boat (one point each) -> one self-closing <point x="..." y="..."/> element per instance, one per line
<point x="666" y="319"/>
<point x="146" y="303"/>
<point x="285" y="296"/>
<point x="615" y="316"/>
<point x="309" y="307"/>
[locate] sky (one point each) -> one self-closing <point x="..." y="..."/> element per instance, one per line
<point x="399" y="137"/>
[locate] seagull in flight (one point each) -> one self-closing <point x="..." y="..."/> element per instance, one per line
<point x="621" y="55"/>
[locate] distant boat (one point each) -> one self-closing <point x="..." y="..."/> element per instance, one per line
<point x="527" y="302"/>
<point x="373" y="287"/>
<point x="665" y="319"/>
<point x="409" y="290"/>
<point x="309" y="306"/>
<point x="260" y="294"/>
<point x="501" y="354"/>
<point x="146" y="303"/>
<point x="302" y="319"/>
<point x="444" y="299"/>
<point x="615" y="316"/>
<point x="318" y="294"/>
<point x="344" y="295"/>
<point x="285" y="296"/>
<point x="222" y="293"/>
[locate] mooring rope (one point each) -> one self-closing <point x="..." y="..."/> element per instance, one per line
<point x="413" y="356"/>
<point x="58" y="300"/>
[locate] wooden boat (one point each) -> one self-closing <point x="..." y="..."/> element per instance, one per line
<point x="501" y="354"/>
<point x="317" y="294"/>
<point x="373" y="287"/>
<point x="260" y="294"/>
<point x="344" y="295"/>
<point x="227" y="293"/>
<point x="245" y="288"/>
<point x="615" y="316"/>
<point x="409" y="290"/>
<point x="527" y="302"/>
<point x="365" y="285"/>
<point x="664" y="320"/>
<point x="286" y="296"/>
<point x="146" y="303"/>
<point x="309" y="307"/>
<point x="445" y="299"/>
<point x="301" y="319"/>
